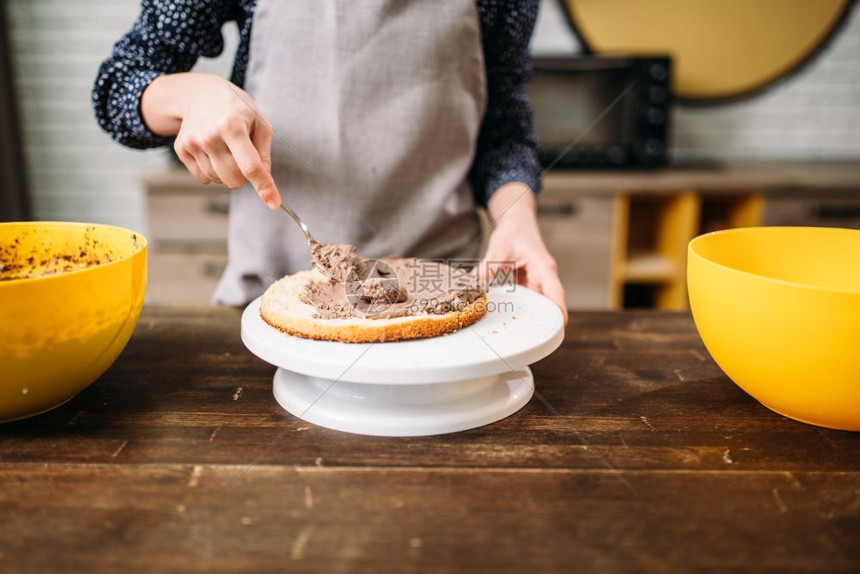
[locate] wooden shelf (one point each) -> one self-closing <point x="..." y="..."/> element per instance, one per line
<point x="727" y="211"/>
<point x="655" y="213"/>
<point x="652" y="231"/>
<point x="649" y="268"/>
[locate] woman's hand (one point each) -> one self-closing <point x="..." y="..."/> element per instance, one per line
<point x="221" y="136"/>
<point x="515" y="238"/>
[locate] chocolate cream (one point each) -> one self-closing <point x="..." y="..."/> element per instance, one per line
<point x="386" y="288"/>
<point x="334" y="260"/>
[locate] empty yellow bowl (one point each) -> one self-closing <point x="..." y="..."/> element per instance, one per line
<point x="70" y="297"/>
<point x="779" y="310"/>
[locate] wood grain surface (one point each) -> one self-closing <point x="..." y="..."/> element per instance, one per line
<point x="135" y="473"/>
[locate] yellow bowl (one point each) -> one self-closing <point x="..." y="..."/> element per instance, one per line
<point x="70" y="296"/>
<point x="779" y="310"/>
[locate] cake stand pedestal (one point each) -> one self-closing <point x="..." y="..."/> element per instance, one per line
<point x="464" y="380"/>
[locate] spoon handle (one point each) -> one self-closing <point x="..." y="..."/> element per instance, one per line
<point x="299" y="222"/>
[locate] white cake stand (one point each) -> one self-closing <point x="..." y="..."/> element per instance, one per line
<point x="470" y="378"/>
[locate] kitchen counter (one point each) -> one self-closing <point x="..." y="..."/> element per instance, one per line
<point x="611" y="231"/>
<point x="773" y="178"/>
<point x="151" y="469"/>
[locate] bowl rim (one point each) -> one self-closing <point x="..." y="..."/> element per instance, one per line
<point x="144" y="245"/>
<point x="691" y="250"/>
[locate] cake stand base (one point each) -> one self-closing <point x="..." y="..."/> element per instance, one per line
<point x="403" y="409"/>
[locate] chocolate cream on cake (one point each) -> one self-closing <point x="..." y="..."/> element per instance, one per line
<point x="334" y="260"/>
<point x="386" y="288"/>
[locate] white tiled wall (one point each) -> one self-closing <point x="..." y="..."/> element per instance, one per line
<point x="77" y="173"/>
<point x="814" y="114"/>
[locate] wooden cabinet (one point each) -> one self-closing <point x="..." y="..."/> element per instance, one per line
<point x="651" y="271"/>
<point x="628" y="247"/>
<point x="620" y="238"/>
<point x="650" y="268"/>
<point x="827" y="208"/>
<point x="578" y="232"/>
<point x="654" y="215"/>
<point x="187" y="237"/>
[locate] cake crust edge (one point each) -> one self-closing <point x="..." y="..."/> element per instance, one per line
<point x="362" y="330"/>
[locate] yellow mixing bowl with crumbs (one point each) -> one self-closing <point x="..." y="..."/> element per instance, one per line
<point x="70" y="297"/>
<point x="779" y="310"/>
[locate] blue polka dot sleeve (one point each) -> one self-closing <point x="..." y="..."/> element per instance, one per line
<point x="167" y="37"/>
<point x="507" y="147"/>
<point x="170" y="35"/>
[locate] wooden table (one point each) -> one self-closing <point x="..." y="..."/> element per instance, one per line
<point x="133" y="474"/>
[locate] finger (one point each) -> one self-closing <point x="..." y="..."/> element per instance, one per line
<point x="261" y="137"/>
<point x="252" y="168"/>
<point x="206" y="166"/>
<point x="483" y="272"/>
<point x="192" y="151"/>
<point x="496" y="272"/>
<point x="530" y="278"/>
<point x="521" y="275"/>
<point x="222" y="162"/>
<point x="551" y="287"/>
<point x="496" y="260"/>
<point x="542" y="277"/>
<point x="487" y="269"/>
<point x="192" y="166"/>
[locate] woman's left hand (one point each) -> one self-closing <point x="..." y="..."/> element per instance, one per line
<point x="515" y="241"/>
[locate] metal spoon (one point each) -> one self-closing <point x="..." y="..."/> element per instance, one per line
<point x="340" y="270"/>
<point x="310" y="239"/>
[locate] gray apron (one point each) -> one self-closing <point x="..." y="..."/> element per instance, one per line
<point x="384" y="100"/>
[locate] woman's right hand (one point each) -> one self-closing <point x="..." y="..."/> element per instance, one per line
<point x="221" y="136"/>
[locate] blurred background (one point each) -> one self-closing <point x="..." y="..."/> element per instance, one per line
<point x="658" y="120"/>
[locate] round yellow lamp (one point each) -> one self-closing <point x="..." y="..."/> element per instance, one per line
<point x="779" y="310"/>
<point x="70" y="297"/>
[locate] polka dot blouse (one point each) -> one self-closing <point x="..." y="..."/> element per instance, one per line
<point x="169" y="35"/>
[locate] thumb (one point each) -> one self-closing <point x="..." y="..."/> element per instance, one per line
<point x="497" y="268"/>
<point x="483" y="271"/>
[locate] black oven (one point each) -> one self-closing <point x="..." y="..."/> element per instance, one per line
<point x="603" y="111"/>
